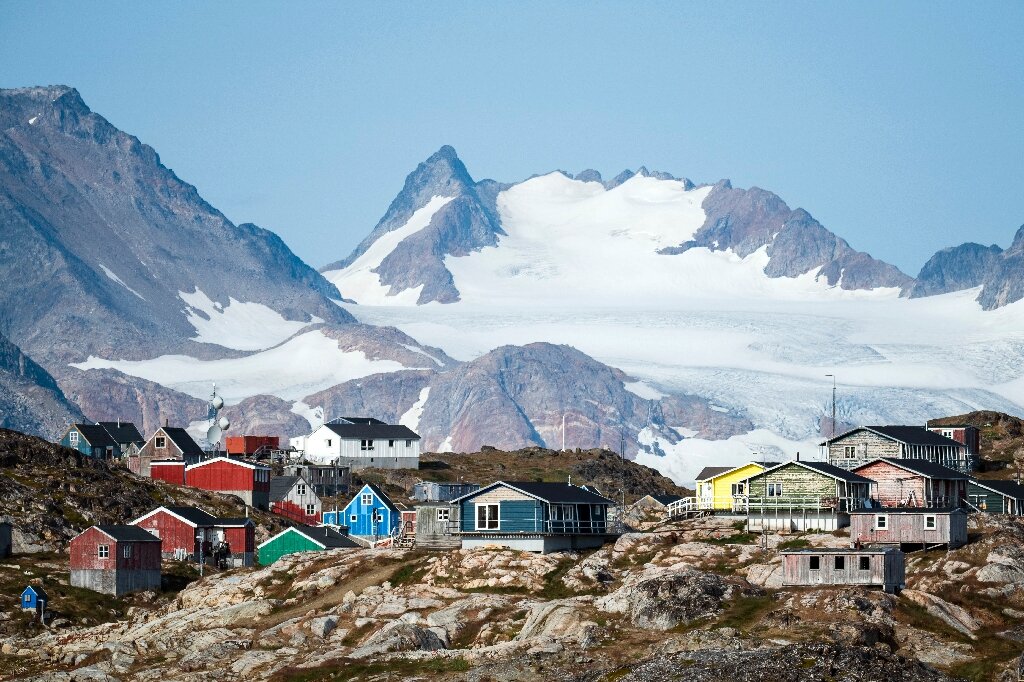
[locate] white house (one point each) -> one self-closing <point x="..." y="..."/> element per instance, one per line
<point x="363" y="443"/>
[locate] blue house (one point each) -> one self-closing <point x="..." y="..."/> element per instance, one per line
<point x="535" y="517"/>
<point x="34" y="598"/>
<point x="370" y="514"/>
<point x="91" y="440"/>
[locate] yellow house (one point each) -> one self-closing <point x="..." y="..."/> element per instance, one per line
<point x="719" y="488"/>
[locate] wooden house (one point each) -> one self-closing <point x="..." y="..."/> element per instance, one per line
<point x="968" y="435"/>
<point x="91" y="440"/>
<point x="293" y="498"/>
<point x="996" y="497"/>
<point x="258" y="447"/>
<point x="439" y="491"/>
<point x="914" y="483"/>
<point x="327" y="480"/>
<point x="167" y="443"/>
<point x="248" y="481"/>
<point x="168" y="470"/>
<point x="370" y="515"/>
<point x="115" y="560"/>
<point x="864" y="444"/>
<point x="6" y="539"/>
<point x="126" y="435"/>
<point x="436" y="525"/>
<point x="362" y="443"/>
<point x="302" y="539"/>
<point x="927" y="527"/>
<point x="800" y="495"/>
<point x="34" y="598"/>
<point x="883" y="568"/>
<point x="535" y="517"/>
<point x="724" y="489"/>
<point x="185" y="531"/>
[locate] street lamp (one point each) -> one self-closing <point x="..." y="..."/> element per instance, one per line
<point x="833" y="430"/>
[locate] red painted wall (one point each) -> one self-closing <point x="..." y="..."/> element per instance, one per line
<point x="174" y="533"/>
<point x="241" y="539"/>
<point x="170" y="473"/>
<point x="85" y="553"/>
<point x="247" y="445"/>
<point x="294" y="512"/>
<point x="226" y="476"/>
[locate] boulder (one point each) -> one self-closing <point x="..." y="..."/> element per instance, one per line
<point x="398" y="636"/>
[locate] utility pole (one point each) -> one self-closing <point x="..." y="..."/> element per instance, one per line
<point x="833" y="429"/>
<point x="563" y="432"/>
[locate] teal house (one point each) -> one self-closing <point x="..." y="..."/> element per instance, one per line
<point x="301" y="539"/>
<point x="91" y="440"/>
<point x="534" y="517"/>
<point x="371" y="514"/>
<point x="996" y="497"/>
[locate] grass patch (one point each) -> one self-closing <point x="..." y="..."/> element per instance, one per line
<point x="356" y="670"/>
<point x="746" y="612"/>
<point x="355" y="635"/>
<point x="795" y="543"/>
<point x="736" y="539"/>
<point x="407" y="575"/>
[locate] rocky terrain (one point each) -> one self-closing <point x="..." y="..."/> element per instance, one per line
<point x="694" y="598"/>
<point x="1002" y="440"/>
<point x="30" y="399"/>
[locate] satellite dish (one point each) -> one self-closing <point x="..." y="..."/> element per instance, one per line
<point x="217" y="402"/>
<point x="224" y="423"/>
<point x="213" y="434"/>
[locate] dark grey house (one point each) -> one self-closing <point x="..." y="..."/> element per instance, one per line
<point x="996" y="497"/>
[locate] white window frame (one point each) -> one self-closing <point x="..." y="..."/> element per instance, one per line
<point x="300" y="489"/>
<point x="126" y="551"/>
<point x="103" y="551"/>
<point x="849" y="452"/>
<point x="774" y="490"/>
<point x="73" y="438"/>
<point x="353" y="518"/>
<point x="881" y="522"/>
<point x="443" y="513"/>
<point x="310" y="509"/>
<point x="366" y="499"/>
<point x="933" y="519"/>
<point x="487" y="516"/>
<point x="738" y="488"/>
<point x="365" y="444"/>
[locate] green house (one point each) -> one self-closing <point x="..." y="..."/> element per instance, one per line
<point x="301" y="539"/>
<point x="996" y="497"/>
<point x="91" y="440"/>
<point x="803" y="496"/>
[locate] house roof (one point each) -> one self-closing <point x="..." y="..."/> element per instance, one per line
<point x="325" y="537"/>
<point x="356" y="420"/>
<point x="180" y="437"/>
<point x="381" y="495"/>
<point x="883" y="511"/>
<point x="1004" y="488"/>
<point x="37" y="590"/>
<point x="374" y="431"/>
<point x="911" y="435"/>
<point x="95" y="435"/>
<point x="123" y="432"/>
<point x="239" y="462"/>
<point x="280" y="486"/>
<point x="711" y="472"/>
<point x="840" y="550"/>
<point x="190" y="515"/>
<point x="919" y="466"/>
<point x="546" y="492"/>
<point x="234" y="522"/>
<point x="128" y="533"/>
<point x="666" y="499"/>
<point x="822" y="468"/>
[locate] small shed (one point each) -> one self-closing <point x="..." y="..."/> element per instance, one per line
<point x="996" y="497"/>
<point x="34" y="598"/>
<point x="302" y="539"/>
<point x="246" y="480"/>
<point x="6" y="541"/>
<point x="883" y="568"/>
<point x="910" y="526"/>
<point x="435" y="491"/>
<point x="115" y="560"/>
<point x="437" y="524"/>
<point x="168" y="470"/>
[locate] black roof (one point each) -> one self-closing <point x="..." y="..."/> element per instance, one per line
<point x="233" y="521"/>
<point x="183" y="440"/>
<point x="1005" y="488"/>
<point x="825" y="468"/>
<point x="95" y="435"/>
<point x="124" y="432"/>
<point x="328" y="537"/>
<point x="551" y="492"/>
<point x="667" y="499"/>
<point x="356" y="420"/>
<point x="374" y="431"/>
<point x="840" y="550"/>
<point x="194" y="514"/>
<point x="882" y="511"/>
<point x="711" y="472"/>
<point x="38" y="589"/>
<point x="129" y="534"/>
<point x="280" y="486"/>
<point x="912" y="435"/>
<point x="921" y="466"/>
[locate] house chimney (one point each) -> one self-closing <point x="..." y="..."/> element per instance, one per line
<point x="798" y="456"/>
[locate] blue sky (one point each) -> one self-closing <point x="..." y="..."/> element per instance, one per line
<point x="897" y="125"/>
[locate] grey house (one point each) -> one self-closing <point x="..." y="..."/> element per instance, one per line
<point x="863" y="444"/>
<point x="434" y="491"/>
<point x="883" y="568"/>
<point x="923" y="527"/>
<point x="437" y="524"/>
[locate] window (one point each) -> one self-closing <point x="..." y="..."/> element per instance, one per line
<point x="300" y="489"/>
<point x="28" y="598"/>
<point x="408" y="443"/>
<point x="487" y="517"/>
<point x="73" y="438"/>
<point x="310" y="510"/>
<point x="774" y="490"/>
<point x="160" y="442"/>
<point x="737" y="488"/>
<point x="328" y="442"/>
<point x="840" y="564"/>
<point x="354" y="518"/>
<point x="126" y="551"/>
<point x="881" y="522"/>
<point x="366" y="444"/>
<point x="391" y="443"/>
<point x="815" y="563"/>
<point x="366" y="499"/>
<point x="929" y="522"/>
<point x="442" y="514"/>
<point x="865" y="563"/>
<point x="849" y="451"/>
<point x="947" y="434"/>
<point x="104" y="551"/>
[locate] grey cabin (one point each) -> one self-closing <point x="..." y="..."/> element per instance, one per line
<point x="863" y="444"/>
<point x="434" y="491"/>
<point x="925" y="527"/>
<point x="437" y="524"/>
<point x="535" y="517"/>
<point x="883" y="568"/>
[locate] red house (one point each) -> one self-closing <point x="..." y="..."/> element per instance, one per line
<point x="249" y="445"/>
<point x="247" y="480"/>
<point x="170" y="471"/>
<point x="182" y="529"/>
<point x="115" y="560"/>
<point x="914" y="483"/>
<point x="965" y="434"/>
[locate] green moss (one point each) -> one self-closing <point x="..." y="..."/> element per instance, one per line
<point x="796" y="543"/>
